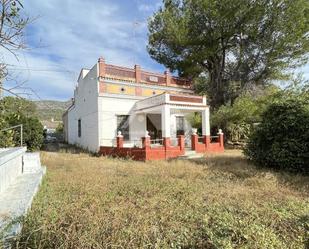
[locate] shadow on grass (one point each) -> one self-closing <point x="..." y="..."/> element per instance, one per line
<point x="242" y="168"/>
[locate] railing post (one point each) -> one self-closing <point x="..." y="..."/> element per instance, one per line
<point x="194" y="139"/>
<point x="181" y="142"/>
<point x="102" y="70"/>
<point x="166" y="142"/>
<point x="119" y="140"/>
<point x="167" y="145"/>
<point x="221" y="138"/>
<point x="167" y="77"/>
<point x="146" y="141"/>
<point x="206" y="141"/>
<point x="138" y="74"/>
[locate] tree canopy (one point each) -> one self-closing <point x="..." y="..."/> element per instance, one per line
<point x="232" y="44"/>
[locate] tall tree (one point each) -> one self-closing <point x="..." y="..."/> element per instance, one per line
<point x="232" y="44"/>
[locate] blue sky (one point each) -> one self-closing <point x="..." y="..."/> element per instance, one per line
<point x="67" y="35"/>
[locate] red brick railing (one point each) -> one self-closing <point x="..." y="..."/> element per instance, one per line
<point x="146" y="152"/>
<point x="206" y="143"/>
<point x="138" y="75"/>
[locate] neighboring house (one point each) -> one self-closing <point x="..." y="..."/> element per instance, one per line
<point x="131" y="112"/>
<point x="50" y="126"/>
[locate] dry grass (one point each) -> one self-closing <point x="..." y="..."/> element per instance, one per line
<point x="217" y="202"/>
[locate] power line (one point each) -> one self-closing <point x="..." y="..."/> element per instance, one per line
<point x="17" y="68"/>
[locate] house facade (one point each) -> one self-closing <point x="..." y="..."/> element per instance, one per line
<point x="132" y="112"/>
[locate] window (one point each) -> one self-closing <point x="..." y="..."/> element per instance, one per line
<point x="79" y="128"/>
<point x="180" y="126"/>
<point x="123" y="126"/>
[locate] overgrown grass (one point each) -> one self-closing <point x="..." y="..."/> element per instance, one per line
<point x="217" y="202"/>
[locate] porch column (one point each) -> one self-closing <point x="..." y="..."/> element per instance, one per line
<point x="206" y="126"/>
<point x="166" y="121"/>
<point x="166" y="125"/>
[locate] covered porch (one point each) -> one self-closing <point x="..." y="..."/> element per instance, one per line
<point x="166" y="132"/>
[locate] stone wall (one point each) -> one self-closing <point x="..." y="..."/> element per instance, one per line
<point x="11" y="166"/>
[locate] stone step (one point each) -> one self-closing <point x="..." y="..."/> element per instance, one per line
<point x="190" y="152"/>
<point x="32" y="162"/>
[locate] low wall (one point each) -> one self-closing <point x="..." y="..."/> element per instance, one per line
<point x="165" y="151"/>
<point x="134" y="153"/>
<point x="11" y="166"/>
<point x="207" y="145"/>
<point x="20" y="176"/>
<point x="142" y="154"/>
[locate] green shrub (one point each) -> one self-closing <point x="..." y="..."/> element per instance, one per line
<point x="281" y="141"/>
<point x="237" y="120"/>
<point x="15" y="111"/>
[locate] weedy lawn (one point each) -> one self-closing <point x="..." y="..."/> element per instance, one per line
<point x="217" y="202"/>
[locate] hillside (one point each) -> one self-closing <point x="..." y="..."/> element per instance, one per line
<point x="48" y="109"/>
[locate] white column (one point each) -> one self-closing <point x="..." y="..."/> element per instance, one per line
<point x="205" y="122"/>
<point x="166" y="121"/>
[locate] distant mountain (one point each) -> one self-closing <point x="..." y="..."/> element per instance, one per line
<point x="51" y="109"/>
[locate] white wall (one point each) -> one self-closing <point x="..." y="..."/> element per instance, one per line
<point x="109" y="108"/>
<point x="86" y="109"/>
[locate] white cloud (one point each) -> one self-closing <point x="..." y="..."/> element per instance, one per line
<point x="69" y="35"/>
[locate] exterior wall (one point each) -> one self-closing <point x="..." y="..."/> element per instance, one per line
<point x="109" y="108"/>
<point x="140" y="89"/>
<point x="11" y="166"/>
<point x="106" y="91"/>
<point x="85" y="108"/>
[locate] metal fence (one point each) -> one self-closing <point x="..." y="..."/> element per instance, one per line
<point x="20" y="126"/>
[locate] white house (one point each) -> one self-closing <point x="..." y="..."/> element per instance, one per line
<point x="121" y="111"/>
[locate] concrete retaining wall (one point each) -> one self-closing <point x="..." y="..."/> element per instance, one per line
<point x="20" y="176"/>
<point x="11" y="166"/>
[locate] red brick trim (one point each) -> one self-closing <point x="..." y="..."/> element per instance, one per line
<point x="186" y="99"/>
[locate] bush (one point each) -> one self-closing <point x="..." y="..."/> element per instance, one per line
<point x="14" y="111"/>
<point x="281" y="141"/>
<point x="237" y="120"/>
